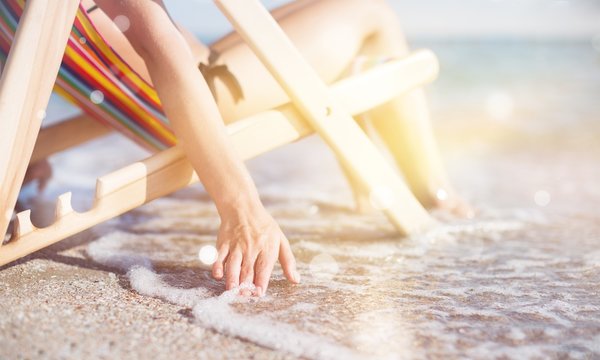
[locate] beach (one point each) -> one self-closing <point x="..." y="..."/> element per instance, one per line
<point x="517" y="123"/>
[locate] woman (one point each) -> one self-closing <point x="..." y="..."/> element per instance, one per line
<point x="249" y="240"/>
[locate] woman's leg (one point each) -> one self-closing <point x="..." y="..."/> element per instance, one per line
<point x="405" y="127"/>
<point x="330" y="44"/>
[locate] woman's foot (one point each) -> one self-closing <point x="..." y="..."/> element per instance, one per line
<point x="446" y="199"/>
<point x="41" y="172"/>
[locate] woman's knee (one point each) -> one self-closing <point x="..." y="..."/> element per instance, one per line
<point x="376" y="20"/>
<point x="148" y="28"/>
<point x="385" y="31"/>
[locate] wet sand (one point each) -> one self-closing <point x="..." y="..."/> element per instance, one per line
<point x="519" y="133"/>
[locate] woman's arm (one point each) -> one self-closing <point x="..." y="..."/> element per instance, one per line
<point x="249" y="240"/>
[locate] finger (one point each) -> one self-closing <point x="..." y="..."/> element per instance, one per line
<point x="247" y="272"/>
<point x="262" y="271"/>
<point x="287" y="261"/>
<point x="217" y="268"/>
<point x="232" y="269"/>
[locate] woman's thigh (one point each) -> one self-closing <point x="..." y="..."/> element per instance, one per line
<point x="328" y="33"/>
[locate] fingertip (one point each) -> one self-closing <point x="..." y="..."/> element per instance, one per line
<point x="262" y="285"/>
<point x="217" y="273"/>
<point x="297" y="277"/>
<point x="230" y="285"/>
<point x="290" y="272"/>
<point x="218" y="265"/>
<point x="263" y="291"/>
<point x="232" y="271"/>
<point x="288" y="262"/>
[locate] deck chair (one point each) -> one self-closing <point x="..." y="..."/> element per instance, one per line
<point x="54" y="44"/>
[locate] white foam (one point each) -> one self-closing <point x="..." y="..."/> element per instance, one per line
<point x="451" y="232"/>
<point x="214" y="312"/>
<point x="303" y="307"/>
<point x="417" y="245"/>
<point x="108" y="252"/>
<point x="147" y="282"/>
<point x="517" y="334"/>
<point x="217" y="314"/>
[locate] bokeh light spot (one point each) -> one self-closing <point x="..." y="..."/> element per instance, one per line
<point x="542" y="198"/>
<point x="441" y="195"/>
<point x="97" y="97"/>
<point x="122" y="22"/>
<point x="324" y="266"/>
<point x="208" y="254"/>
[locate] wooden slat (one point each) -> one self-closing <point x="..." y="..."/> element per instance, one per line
<point x="25" y="89"/>
<point x="325" y="114"/>
<point x="170" y="170"/>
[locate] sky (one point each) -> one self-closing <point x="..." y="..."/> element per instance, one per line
<point x="445" y="18"/>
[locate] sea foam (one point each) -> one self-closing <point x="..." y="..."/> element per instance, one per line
<point x="215" y="312"/>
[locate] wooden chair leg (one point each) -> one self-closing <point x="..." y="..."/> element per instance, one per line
<point x="362" y="203"/>
<point x="326" y="115"/>
<point x="25" y="88"/>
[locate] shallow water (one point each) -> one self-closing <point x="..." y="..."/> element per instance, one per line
<point x="518" y="124"/>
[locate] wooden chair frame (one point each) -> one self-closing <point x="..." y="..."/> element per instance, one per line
<point x="31" y="70"/>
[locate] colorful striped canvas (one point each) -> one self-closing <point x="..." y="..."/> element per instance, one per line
<point x="97" y="80"/>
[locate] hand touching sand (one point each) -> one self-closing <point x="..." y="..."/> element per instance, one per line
<point x="249" y="243"/>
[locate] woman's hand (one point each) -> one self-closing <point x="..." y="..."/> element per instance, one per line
<point x="249" y="243"/>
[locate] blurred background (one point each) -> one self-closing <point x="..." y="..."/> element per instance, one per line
<point x="443" y="19"/>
